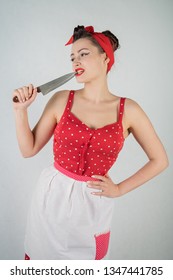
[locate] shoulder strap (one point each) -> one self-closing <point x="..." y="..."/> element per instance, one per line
<point x="121" y="109"/>
<point x="69" y="101"/>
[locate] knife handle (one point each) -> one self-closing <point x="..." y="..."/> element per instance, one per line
<point x="16" y="100"/>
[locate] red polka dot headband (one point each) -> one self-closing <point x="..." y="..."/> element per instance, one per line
<point x="103" y="41"/>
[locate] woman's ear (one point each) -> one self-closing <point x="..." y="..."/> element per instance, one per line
<point x="107" y="59"/>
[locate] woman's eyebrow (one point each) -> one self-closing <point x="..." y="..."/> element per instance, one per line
<point x="80" y="50"/>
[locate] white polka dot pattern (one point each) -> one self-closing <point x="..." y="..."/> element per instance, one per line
<point x="83" y="150"/>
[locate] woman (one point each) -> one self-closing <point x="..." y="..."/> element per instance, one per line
<point x="71" y="210"/>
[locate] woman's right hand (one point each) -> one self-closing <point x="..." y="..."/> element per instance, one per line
<point x="26" y="95"/>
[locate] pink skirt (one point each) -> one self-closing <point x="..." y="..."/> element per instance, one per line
<point x="65" y="221"/>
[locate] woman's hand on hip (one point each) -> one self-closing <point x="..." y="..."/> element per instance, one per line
<point x="105" y="186"/>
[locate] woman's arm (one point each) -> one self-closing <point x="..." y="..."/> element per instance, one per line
<point x="136" y="121"/>
<point x="32" y="141"/>
<point x="140" y="126"/>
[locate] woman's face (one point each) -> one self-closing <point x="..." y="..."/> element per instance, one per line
<point x="87" y="61"/>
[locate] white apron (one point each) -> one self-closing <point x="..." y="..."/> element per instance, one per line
<point x="65" y="221"/>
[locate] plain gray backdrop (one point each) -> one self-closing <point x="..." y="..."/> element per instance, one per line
<point x="33" y="34"/>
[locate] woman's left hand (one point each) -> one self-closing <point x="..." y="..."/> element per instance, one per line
<point x="105" y="185"/>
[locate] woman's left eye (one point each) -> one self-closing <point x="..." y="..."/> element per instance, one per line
<point x="83" y="54"/>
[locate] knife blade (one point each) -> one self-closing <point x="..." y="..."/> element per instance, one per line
<point x="47" y="87"/>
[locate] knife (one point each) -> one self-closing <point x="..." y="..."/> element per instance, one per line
<point x="47" y="87"/>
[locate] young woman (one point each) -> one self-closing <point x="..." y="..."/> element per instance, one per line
<point x="71" y="210"/>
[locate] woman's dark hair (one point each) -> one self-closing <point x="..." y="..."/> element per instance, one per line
<point x="80" y="32"/>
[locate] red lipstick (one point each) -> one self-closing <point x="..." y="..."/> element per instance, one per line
<point x="79" y="71"/>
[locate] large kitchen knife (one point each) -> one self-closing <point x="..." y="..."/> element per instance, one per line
<point x="46" y="88"/>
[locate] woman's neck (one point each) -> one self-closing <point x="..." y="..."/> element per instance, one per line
<point x="96" y="91"/>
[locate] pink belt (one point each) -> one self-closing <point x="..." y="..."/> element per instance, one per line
<point x="73" y="175"/>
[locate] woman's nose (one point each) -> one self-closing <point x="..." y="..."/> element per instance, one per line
<point x="76" y="61"/>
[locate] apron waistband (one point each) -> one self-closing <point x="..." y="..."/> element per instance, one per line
<point x="73" y="175"/>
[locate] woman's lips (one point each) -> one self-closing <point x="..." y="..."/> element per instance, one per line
<point x="79" y="71"/>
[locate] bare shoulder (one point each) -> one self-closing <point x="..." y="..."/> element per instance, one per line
<point x="134" y="116"/>
<point x="57" y="103"/>
<point x="133" y="110"/>
<point x="131" y="104"/>
<point x="59" y="97"/>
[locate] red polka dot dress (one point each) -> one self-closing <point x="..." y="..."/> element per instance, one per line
<point x="65" y="221"/>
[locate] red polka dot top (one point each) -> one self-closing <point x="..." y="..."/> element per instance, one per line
<point x="83" y="150"/>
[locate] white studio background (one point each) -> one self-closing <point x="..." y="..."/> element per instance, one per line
<point x="33" y="34"/>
